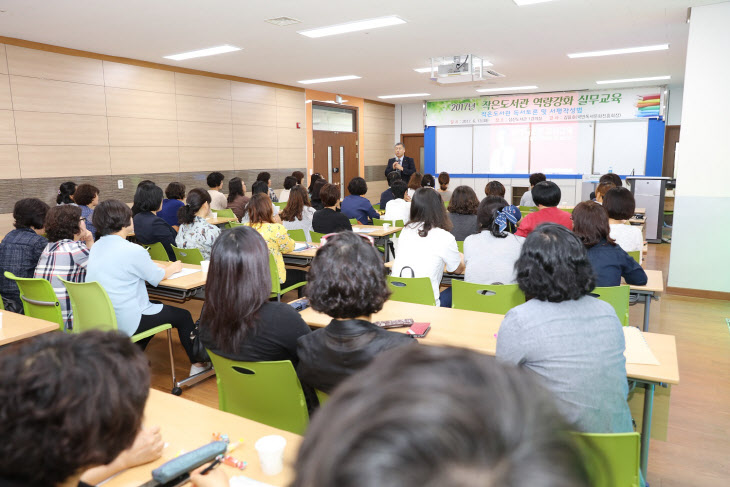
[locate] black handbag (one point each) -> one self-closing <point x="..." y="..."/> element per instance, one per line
<point x="200" y="354"/>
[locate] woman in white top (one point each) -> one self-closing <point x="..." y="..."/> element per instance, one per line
<point x="620" y="205"/>
<point x="298" y="212"/>
<point x="490" y="255"/>
<point x="289" y="183"/>
<point x="425" y="245"/>
<point x="398" y="208"/>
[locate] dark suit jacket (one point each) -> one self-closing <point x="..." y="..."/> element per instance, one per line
<point x="150" y="228"/>
<point x="409" y="167"/>
<point x="331" y="354"/>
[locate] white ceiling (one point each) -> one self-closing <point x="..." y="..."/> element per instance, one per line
<point x="528" y="44"/>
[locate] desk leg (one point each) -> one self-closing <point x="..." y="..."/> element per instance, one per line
<point x="647" y="306"/>
<point x="646" y="426"/>
<point x="386" y="239"/>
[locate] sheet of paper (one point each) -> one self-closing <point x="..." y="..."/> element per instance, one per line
<point x="184" y="272"/>
<point x="246" y="482"/>
<point x="364" y="230"/>
<point x="300" y="246"/>
<point x="637" y="350"/>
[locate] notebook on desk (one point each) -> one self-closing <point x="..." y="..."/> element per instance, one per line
<point x="637" y="350"/>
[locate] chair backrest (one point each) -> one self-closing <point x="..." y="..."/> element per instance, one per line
<point x="274" y="271"/>
<point x="636" y="255"/>
<point x="322" y="397"/>
<point x="297" y="235"/>
<point x="488" y="298"/>
<point x="353" y="221"/>
<point x="446" y="204"/>
<point x="527" y="209"/>
<point x="376" y="207"/>
<point x="316" y="237"/>
<point x="267" y="392"/>
<point x="416" y="290"/>
<point x="188" y="256"/>
<point x="227" y="213"/>
<point x="612" y="459"/>
<point x="230" y="225"/>
<point x="569" y="210"/>
<point x="280" y="205"/>
<point x="39" y="299"/>
<point x="460" y="245"/>
<point x="157" y="252"/>
<point x="378" y="222"/>
<point x="618" y="297"/>
<point x="92" y="308"/>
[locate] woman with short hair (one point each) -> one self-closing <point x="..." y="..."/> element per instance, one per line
<point x="195" y="231"/>
<point x="346" y="282"/>
<point x="148" y="227"/>
<point x="463" y="208"/>
<point x="66" y="255"/>
<point x="298" y="213"/>
<point x="495" y="188"/>
<point x="413" y="184"/>
<point x="87" y="197"/>
<point x="174" y="199"/>
<point x="574" y="341"/>
<point x="289" y="183"/>
<point x="355" y="205"/>
<point x="328" y="219"/>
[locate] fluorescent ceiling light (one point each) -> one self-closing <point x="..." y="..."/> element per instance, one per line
<point x="631" y="80"/>
<point x="327" y="80"/>
<point x="428" y="69"/>
<point x="611" y="52"/>
<point x="521" y="3"/>
<point x="353" y="26"/>
<point x="404" y="96"/>
<point x="510" y="88"/>
<point x="211" y="51"/>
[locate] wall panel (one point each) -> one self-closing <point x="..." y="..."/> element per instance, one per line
<point x="7" y="127"/>
<point x="144" y="160"/>
<point x="205" y="159"/>
<point x="9" y="168"/>
<point x="6" y="102"/>
<point x="43" y="95"/>
<point x="188" y="84"/>
<point x="253" y="113"/>
<point x="251" y="93"/>
<point x="203" y="134"/>
<point x="63" y="161"/>
<point x="118" y="75"/>
<point x="201" y="109"/>
<point x="36" y="128"/>
<point x="142" y="132"/>
<point x="254" y="136"/>
<point x="49" y="65"/>
<point x="3" y="60"/>
<point x="121" y="102"/>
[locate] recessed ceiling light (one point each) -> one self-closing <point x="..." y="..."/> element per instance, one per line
<point x="211" y="51"/>
<point x="283" y="21"/>
<point x="521" y="3"/>
<point x="327" y="80"/>
<point x="611" y="52"/>
<point x="353" y="26"/>
<point x="404" y="96"/>
<point x="510" y="88"/>
<point x="428" y="69"/>
<point x="631" y="80"/>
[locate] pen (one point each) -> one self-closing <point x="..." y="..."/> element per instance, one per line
<point x="210" y="467"/>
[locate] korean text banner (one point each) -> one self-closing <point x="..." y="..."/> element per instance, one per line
<point x="566" y="106"/>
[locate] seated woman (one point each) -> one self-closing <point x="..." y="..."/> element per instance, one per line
<point x="414" y="183"/>
<point x="347" y="283"/>
<point x="289" y="183"/>
<point x="315" y="177"/>
<point x="438" y="416"/>
<point x="463" y="212"/>
<point x="620" y="206"/>
<point x="610" y="262"/>
<point x="238" y="320"/>
<point x="195" y="231"/>
<point x="495" y="188"/>
<point x="546" y="195"/>
<point x="87" y="197"/>
<point x="148" y="227"/>
<point x="72" y="408"/>
<point x="425" y="245"/>
<point x="175" y="199"/>
<point x="443" y="188"/>
<point x="574" y="341"/>
<point x="328" y="219"/>
<point x="298" y="213"/>
<point x="21" y="248"/>
<point x="122" y="268"/>
<point x="261" y="219"/>
<point x="66" y="193"/>
<point x="237" y="199"/>
<point x="428" y="181"/>
<point x="143" y="185"/>
<point x="357" y="207"/>
<point x="398" y="208"/>
<point x="316" y="199"/>
<point x="66" y="255"/>
<point x="490" y="255"/>
<point x="602" y="189"/>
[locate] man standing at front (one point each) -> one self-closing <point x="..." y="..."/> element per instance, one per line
<point x="404" y="165"/>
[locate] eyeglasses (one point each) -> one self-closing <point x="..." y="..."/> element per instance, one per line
<point x="367" y="238"/>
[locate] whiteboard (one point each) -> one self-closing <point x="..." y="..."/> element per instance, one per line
<point x="561" y="148"/>
<point x="501" y="149"/>
<point x="454" y="149"/>
<point x="620" y="146"/>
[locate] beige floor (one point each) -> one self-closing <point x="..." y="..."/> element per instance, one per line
<point x="697" y="444"/>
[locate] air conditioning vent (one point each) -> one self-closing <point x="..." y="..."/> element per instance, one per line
<point x="488" y="73"/>
<point x="283" y="21"/>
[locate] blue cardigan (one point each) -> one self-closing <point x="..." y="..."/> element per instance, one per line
<point x="611" y="263"/>
<point x="359" y="208"/>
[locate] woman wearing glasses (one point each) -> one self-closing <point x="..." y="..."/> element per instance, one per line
<point x="347" y="282"/>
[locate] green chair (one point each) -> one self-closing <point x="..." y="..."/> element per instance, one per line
<point x="297" y="235"/>
<point x="353" y="221"/>
<point x="525" y="210"/>
<point x="376" y="207"/>
<point x="2" y="305"/>
<point x="636" y="255"/>
<point x="446" y="204"/>
<point x="227" y="213"/>
<point x="157" y="252"/>
<point x="488" y="298"/>
<point x="416" y="290"/>
<point x="618" y="297"/>
<point x="569" y="210"/>
<point x="280" y="205"/>
<point x="39" y="299"/>
<point x="316" y="237"/>
<point x="460" y="245"/>
<point x="276" y="289"/>
<point x="230" y="225"/>
<point x="378" y="222"/>
<point x="267" y="392"/>
<point x="612" y="459"/>
<point x="188" y="256"/>
<point x="322" y="397"/>
<point x="93" y="310"/>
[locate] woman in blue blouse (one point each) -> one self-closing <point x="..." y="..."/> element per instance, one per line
<point x="357" y="207"/>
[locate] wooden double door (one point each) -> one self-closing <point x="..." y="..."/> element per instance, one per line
<point x="336" y="157"/>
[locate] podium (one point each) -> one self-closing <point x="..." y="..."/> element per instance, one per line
<point x="649" y="193"/>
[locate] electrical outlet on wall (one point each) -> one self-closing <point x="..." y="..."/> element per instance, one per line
<point x="120" y="183"/>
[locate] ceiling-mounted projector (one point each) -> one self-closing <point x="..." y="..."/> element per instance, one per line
<point x="466" y="68"/>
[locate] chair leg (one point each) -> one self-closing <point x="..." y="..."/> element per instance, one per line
<point x="172" y="359"/>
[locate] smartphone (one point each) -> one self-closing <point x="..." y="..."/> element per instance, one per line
<point x="419" y="330"/>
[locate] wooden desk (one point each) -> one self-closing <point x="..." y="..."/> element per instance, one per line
<point x="182" y="288"/>
<point x="653" y="288"/>
<point x="221" y="221"/>
<point x="18" y="327"/>
<point x="187" y="425"/>
<point x="301" y="258"/>
<point x="380" y="234"/>
<point x="478" y="331"/>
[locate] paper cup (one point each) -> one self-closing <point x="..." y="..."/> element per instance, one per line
<point x="271" y="453"/>
<point x="204" y="265"/>
<point x="386" y="225"/>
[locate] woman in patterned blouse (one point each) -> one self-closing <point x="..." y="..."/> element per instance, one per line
<point x="261" y="219"/>
<point x="195" y="232"/>
<point x="66" y="254"/>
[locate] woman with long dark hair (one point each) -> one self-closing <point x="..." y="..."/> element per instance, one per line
<point x="315" y="177"/>
<point x="425" y="245"/>
<point x="195" y="231"/>
<point x="66" y="193"/>
<point x="298" y="213"/>
<point x="237" y="199"/>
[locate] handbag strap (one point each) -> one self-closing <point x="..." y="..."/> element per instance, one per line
<point x="413" y="274"/>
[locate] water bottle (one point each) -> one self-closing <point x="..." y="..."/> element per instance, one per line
<point x="610" y="169"/>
